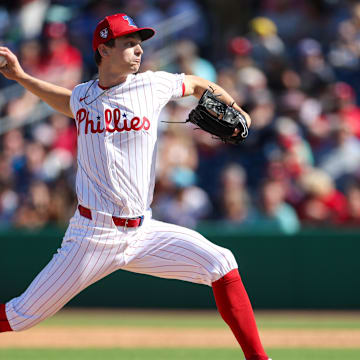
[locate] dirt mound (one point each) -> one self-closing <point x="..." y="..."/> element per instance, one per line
<point x="100" y="337"/>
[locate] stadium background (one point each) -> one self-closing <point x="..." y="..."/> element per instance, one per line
<point x="287" y="201"/>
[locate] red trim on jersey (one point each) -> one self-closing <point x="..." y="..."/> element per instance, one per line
<point x="183" y="89"/>
<point x="4" y="323"/>
<point x="103" y="87"/>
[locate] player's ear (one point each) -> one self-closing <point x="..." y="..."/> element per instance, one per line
<point x="103" y="50"/>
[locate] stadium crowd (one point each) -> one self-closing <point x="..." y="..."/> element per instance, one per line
<point x="292" y="64"/>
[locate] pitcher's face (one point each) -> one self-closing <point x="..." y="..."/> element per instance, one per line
<point x="125" y="56"/>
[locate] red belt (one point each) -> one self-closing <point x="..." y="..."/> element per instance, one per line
<point x="126" y="222"/>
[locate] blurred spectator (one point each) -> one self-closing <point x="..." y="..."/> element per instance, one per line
<point x="272" y="212"/>
<point x="300" y="84"/>
<point x="34" y="211"/>
<point x="176" y="151"/>
<point x="30" y="167"/>
<point x="4" y="20"/>
<point x="344" y="98"/>
<point x="240" y="48"/>
<point x="13" y="145"/>
<point x="315" y="73"/>
<point x="344" y="52"/>
<point x="63" y="201"/>
<point x="253" y="79"/>
<point x="353" y="199"/>
<point x="9" y="201"/>
<point x="211" y="155"/>
<point x="322" y="204"/>
<point x="185" y="204"/>
<point x="297" y="153"/>
<point x="258" y="148"/>
<point x="267" y="46"/>
<point x="54" y="59"/>
<point x="61" y="62"/>
<point x="234" y="200"/>
<point x="31" y="16"/>
<point x="235" y="207"/>
<point x="287" y="15"/>
<point x="65" y="133"/>
<point x="193" y="11"/>
<point x="146" y="14"/>
<point x="226" y="79"/>
<point x="187" y="60"/>
<point x="6" y="170"/>
<point x="342" y="158"/>
<point x="31" y="57"/>
<point x="8" y="197"/>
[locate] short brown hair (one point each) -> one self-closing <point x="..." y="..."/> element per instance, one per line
<point x="97" y="56"/>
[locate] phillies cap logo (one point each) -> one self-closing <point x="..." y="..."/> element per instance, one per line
<point x="129" y="20"/>
<point x="104" y="33"/>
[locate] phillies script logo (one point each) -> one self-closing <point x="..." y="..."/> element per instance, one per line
<point x="112" y="122"/>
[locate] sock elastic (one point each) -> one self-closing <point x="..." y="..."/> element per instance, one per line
<point x="235" y="308"/>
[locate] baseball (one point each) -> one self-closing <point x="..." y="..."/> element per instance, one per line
<point x="3" y="61"/>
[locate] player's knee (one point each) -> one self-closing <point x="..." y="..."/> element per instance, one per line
<point x="230" y="260"/>
<point x="226" y="263"/>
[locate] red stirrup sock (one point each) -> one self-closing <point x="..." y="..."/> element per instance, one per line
<point x="235" y="308"/>
<point x="4" y="324"/>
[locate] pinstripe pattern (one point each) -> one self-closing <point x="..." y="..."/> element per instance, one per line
<point x="89" y="249"/>
<point x="92" y="249"/>
<point x="171" y="251"/>
<point x="116" y="176"/>
<point x="116" y="169"/>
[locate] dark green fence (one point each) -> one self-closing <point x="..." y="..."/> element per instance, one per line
<point x="317" y="268"/>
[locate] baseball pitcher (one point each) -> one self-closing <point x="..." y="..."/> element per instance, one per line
<point x="116" y="117"/>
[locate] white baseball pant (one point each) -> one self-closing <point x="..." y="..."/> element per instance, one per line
<point x="93" y="249"/>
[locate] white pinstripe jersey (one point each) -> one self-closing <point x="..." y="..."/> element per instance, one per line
<point x="117" y="136"/>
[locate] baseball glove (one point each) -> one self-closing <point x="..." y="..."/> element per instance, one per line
<point x="217" y="118"/>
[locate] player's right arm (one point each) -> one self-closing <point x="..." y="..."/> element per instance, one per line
<point x="56" y="96"/>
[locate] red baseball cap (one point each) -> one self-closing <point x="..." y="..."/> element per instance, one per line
<point x="117" y="25"/>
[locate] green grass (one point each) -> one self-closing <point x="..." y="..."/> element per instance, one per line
<point x="207" y="319"/>
<point x="136" y="318"/>
<point x="308" y="320"/>
<point x="173" y="354"/>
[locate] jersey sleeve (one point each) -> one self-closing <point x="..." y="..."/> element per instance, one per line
<point x="168" y="86"/>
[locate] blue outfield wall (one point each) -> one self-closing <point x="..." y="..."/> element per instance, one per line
<point x="314" y="269"/>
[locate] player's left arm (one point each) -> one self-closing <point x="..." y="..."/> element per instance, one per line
<point x="195" y="85"/>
